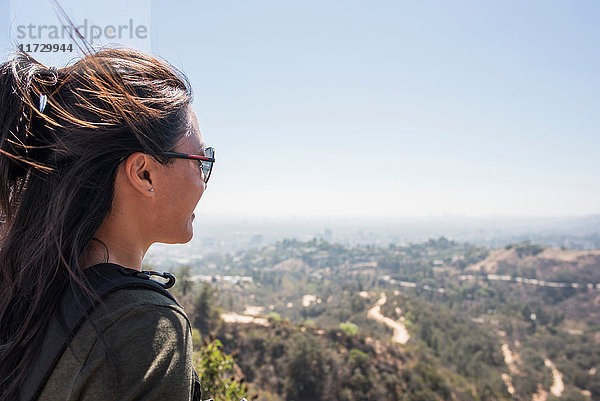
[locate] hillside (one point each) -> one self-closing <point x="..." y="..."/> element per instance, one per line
<point x="428" y="321"/>
<point x="542" y="263"/>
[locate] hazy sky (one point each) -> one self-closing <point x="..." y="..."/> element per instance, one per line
<point x="389" y="108"/>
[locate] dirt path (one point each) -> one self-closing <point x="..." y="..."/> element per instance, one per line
<point x="230" y="317"/>
<point x="541" y="394"/>
<point x="557" y="387"/>
<point x="557" y="379"/>
<point x="508" y="383"/>
<point x="509" y="359"/>
<point x="401" y="335"/>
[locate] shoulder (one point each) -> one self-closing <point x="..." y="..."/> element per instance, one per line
<point x="122" y="301"/>
<point x="142" y="306"/>
<point x="139" y="304"/>
<point x="122" y="289"/>
<point x="151" y="342"/>
<point x="144" y="335"/>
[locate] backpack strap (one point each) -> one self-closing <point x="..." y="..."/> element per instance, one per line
<point x="75" y="304"/>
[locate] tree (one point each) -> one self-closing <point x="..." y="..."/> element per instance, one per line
<point x="184" y="279"/>
<point x="205" y="314"/>
<point x="306" y="374"/>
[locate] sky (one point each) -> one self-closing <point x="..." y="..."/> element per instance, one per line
<point x="351" y="109"/>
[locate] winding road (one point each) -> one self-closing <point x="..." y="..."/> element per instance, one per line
<point x="401" y="335"/>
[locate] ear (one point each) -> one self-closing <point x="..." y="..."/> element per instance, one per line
<point x="140" y="170"/>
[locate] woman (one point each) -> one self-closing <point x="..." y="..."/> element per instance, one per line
<point x="95" y="168"/>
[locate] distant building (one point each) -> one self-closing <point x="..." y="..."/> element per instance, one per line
<point x="208" y="241"/>
<point x="256" y="240"/>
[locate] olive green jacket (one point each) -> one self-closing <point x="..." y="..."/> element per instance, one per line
<point x="150" y="339"/>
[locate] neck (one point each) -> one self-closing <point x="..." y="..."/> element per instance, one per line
<point x="114" y="246"/>
<point x="118" y="254"/>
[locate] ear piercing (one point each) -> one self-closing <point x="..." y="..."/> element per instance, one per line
<point x="151" y="189"/>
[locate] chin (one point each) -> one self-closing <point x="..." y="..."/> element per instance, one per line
<point x="189" y="234"/>
<point x="189" y="238"/>
<point x="183" y="238"/>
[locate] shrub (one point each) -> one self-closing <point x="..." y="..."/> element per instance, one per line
<point x="214" y="369"/>
<point x="349" y="329"/>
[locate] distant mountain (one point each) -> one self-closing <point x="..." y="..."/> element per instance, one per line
<point x="538" y="262"/>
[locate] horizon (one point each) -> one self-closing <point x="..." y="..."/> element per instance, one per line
<point x="431" y="216"/>
<point x="213" y="235"/>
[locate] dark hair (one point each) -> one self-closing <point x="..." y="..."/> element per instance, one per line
<point x="57" y="171"/>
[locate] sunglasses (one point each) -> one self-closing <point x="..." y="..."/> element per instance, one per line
<point x="206" y="161"/>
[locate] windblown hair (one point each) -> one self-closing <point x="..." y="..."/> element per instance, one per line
<point x="57" y="171"/>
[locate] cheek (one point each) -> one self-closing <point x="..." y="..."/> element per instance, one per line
<point x="183" y="192"/>
<point x="194" y="186"/>
<point x="174" y="196"/>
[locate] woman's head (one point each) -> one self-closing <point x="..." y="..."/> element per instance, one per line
<point x="98" y="145"/>
<point x="99" y="111"/>
<point x="154" y="202"/>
